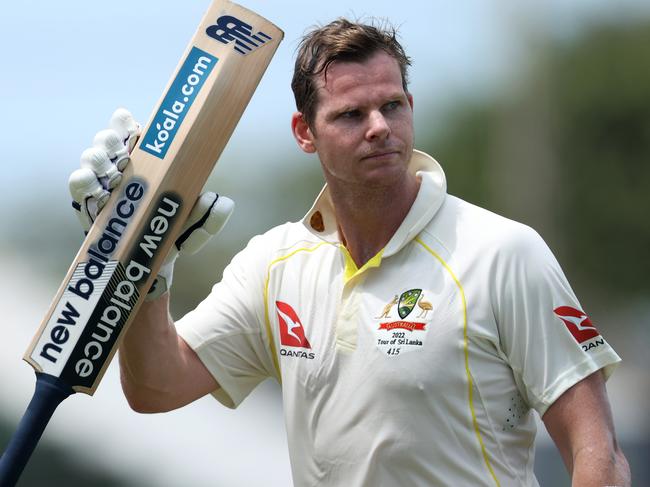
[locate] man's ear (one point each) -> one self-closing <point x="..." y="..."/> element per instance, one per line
<point x="302" y="133"/>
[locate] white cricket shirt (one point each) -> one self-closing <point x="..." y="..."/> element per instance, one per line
<point x="423" y="367"/>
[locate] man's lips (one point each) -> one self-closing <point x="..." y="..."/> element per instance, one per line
<point x="383" y="154"/>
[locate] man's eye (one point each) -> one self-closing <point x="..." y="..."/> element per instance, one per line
<point x="392" y="105"/>
<point x="350" y="114"/>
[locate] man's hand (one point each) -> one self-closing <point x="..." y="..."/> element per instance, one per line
<point x="102" y="166"/>
<point x="101" y="172"/>
<point x="208" y="216"/>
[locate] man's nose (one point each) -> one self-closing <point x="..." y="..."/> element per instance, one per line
<point x="378" y="127"/>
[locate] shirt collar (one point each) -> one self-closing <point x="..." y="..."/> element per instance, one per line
<point x="321" y="218"/>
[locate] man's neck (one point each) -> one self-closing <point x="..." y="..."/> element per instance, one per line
<point x="369" y="217"/>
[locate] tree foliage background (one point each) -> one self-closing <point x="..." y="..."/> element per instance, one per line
<point x="567" y="150"/>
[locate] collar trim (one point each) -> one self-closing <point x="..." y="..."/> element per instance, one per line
<point x="320" y="220"/>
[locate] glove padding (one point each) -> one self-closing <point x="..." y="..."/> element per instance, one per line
<point x="102" y="166"/>
<point x="101" y="172"/>
<point x="208" y="216"/>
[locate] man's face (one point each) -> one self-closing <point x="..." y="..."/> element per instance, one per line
<point x="363" y="126"/>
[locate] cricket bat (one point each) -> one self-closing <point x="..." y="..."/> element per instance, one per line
<point x="120" y="257"/>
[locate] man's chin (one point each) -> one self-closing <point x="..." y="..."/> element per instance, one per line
<point x="384" y="176"/>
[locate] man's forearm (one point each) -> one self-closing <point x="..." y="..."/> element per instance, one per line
<point x="581" y="424"/>
<point x="595" y="467"/>
<point x="148" y="354"/>
<point x="159" y="371"/>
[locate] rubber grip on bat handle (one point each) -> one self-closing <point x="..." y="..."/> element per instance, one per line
<point x="50" y="391"/>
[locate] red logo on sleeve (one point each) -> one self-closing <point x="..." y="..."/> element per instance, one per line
<point x="292" y="333"/>
<point x="577" y="322"/>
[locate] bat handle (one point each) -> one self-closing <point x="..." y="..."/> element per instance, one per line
<point x="49" y="393"/>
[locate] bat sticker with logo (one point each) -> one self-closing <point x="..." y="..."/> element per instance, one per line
<point x="123" y="250"/>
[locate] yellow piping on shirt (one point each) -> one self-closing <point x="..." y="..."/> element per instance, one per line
<point x="351" y="269"/>
<point x="267" y="321"/>
<point x="486" y="457"/>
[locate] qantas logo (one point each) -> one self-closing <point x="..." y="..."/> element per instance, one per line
<point x="292" y="333"/>
<point x="577" y="322"/>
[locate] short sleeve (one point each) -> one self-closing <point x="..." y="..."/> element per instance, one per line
<point x="227" y="332"/>
<point x="549" y="342"/>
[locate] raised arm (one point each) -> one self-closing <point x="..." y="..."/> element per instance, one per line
<point x="158" y="370"/>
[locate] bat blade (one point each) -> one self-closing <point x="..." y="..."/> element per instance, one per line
<point x="119" y="258"/>
<point x="176" y="153"/>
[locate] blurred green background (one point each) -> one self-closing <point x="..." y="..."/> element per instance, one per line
<point x="559" y="139"/>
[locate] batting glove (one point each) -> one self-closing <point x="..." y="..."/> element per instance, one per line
<point x="101" y="172"/>
<point x="208" y="216"/>
<point x="102" y="166"/>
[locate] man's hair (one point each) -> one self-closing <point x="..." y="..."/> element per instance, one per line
<point x="340" y="40"/>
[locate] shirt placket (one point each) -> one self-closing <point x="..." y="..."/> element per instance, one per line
<point x="351" y="300"/>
